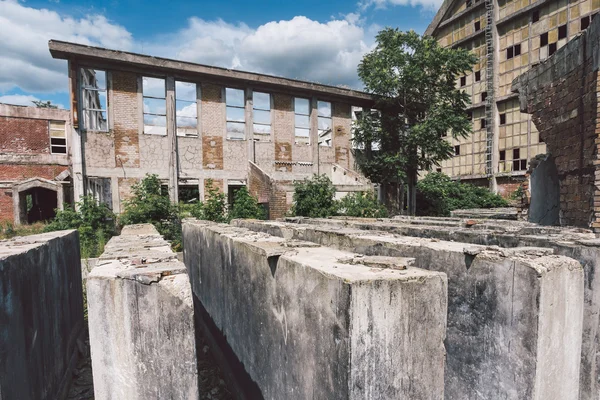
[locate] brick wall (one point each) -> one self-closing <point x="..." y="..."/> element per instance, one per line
<point x="561" y="95"/>
<point x="126" y="119"/>
<point x="6" y="205"/>
<point x="24" y="136"/>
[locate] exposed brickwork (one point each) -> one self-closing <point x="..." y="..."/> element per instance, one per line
<point x="278" y="205"/>
<point x="508" y="186"/>
<point x="6" y="205"/>
<point x="213" y="111"/>
<point x="212" y="152"/>
<point x="259" y="184"/>
<point x="19" y="172"/>
<point x="283" y="152"/>
<point x="125" y="192"/>
<point x="342" y="127"/>
<point x="215" y="183"/>
<point x="126" y="119"/>
<point x="24" y="136"/>
<point x="561" y="95"/>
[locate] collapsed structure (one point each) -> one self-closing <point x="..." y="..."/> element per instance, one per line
<point x="134" y="115"/>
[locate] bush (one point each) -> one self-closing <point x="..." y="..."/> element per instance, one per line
<point x="215" y="206"/>
<point x="362" y="204"/>
<point x="437" y="195"/>
<point x="150" y="205"/>
<point x="95" y="223"/>
<point x="245" y="206"/>
<point x="314" y="197"/>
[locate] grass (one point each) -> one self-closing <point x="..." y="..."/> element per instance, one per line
<point x="7" y="230"/>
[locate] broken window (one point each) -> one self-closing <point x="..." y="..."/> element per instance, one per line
<point x="477" y="76"/>
<point x="188" y="194"/>
<point x="154" y="93"/>
<point x="324" y="120"/>
<point x="535" y="16"/>
<point x="562" y="31"/>
<point x="356" y="112"/>
<point x="544" y="39"/>
<point x="502" y="119"/>
<point x="94" y="100"/>
<point x="477" y="26"/>
<point x="513" y="51"/>
<point x="482" y="123"/>
<point x="483" y="96"/>
<point x="552" y="48"/>
<point x="463" y="81"/>
<point x="585" y="22"/>
<point x="99" y="189"/>
<point x="236" y="114"/>
<point x="457" y="150"/>
<point x="58" y="137"/>
<point x="261" y="113"/>
<point x="502" y="155"/>
<point x="302" y="120"/>
<point x="186" y="108"/>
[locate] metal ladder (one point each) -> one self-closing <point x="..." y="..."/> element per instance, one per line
<point x="489" y="76"/>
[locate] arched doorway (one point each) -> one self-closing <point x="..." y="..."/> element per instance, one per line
<point x="36" y="199"/>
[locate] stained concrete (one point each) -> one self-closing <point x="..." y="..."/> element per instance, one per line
<point x="41" y="315"/>
<point x="497" y="319"/>
<point x="141" y="320"/>
<point x="313" y="322"/>
<point x="544" y="186"/>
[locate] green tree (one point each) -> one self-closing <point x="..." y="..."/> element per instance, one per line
<point x="245" y="206"/>
<point x="413" y="80"/>
<point x="43" y="104"/>
<point x="314" y="197"/>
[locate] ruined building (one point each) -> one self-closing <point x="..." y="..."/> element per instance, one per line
<point x="34" y="163"/>
<point x="134" y="115"/>
<point x="509" y="37"/>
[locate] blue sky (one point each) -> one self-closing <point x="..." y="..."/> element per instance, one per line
<point x="320" y="41"/>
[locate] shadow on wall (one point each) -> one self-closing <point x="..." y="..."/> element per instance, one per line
<point x="544" y="186"/>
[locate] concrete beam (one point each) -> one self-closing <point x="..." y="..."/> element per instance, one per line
<point x="313" y="322"/>
<point x="141" y="320"/>
<point x="514" y="315"/>
<point x="41" y="315"/>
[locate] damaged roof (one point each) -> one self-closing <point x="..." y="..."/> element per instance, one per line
<point x="98" y="57"/>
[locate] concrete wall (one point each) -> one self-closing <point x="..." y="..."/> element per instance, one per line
<point x="581" y="245"/>
<point x="41" y="315"/>
<point x="496" y="309"/>
<point x="141" y="320"/>
<point x="544" y="187"/>
<point x="314" y="322"/>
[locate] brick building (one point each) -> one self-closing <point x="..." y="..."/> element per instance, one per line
<point x="509" y="36"/>
<point x="188" y="123"/>
<point x="561" y="94"/>
<point x="34" y="163"/>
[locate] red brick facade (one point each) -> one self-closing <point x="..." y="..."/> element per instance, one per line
<point x="24" y="136"/>
<point x="561" y="94"/>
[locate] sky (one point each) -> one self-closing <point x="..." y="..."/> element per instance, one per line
<point x="318" y="41"/>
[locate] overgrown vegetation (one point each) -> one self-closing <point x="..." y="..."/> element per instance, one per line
<point x="8" y="230"/>
<point x="150" y="205"/>
<point x="438" y="194"/>
<point x="215" y="205"/>
<point x="245" y="206"/>
<point x="95" y="223"/>
<point x="315" y="198"/>
<point x="413" y="79"/>
<point x="362" y="204"/>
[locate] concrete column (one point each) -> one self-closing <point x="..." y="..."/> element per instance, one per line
<point x="310" y="322"/>
<point x="141" y="320"/>
<point x="172" y="136"/>
<point x="76" y="144"/>
<point x="314" y="134"/>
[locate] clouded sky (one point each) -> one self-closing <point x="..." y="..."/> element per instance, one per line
<point x="321" y="41"/>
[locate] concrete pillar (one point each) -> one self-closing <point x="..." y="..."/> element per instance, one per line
<point x="141" y="320"/>
<point x="314" y="322"/>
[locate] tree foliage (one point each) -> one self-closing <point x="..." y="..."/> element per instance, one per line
<point x="215" y="205"/>
<point x="438" y="194"/>
<point x="314" y="197"/>
<point x="413" y="79"/>
<point x="43" y="104"/>
<point x="95" y="223"/>
<point x="245" y="206"/>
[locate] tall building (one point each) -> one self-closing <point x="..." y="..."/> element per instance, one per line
<point x="509" y="37"/>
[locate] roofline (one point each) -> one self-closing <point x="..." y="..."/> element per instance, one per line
<point x="73" y="51"/>
<point x="437" y="19"/>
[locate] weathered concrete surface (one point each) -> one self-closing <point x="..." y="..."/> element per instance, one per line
<point x="487" y="213"/>
<point x="498" y="308"/>
<point x="41" y="315"/>
<point x="544" y="187"/>
<point x="313" y="322"/>
<point x="141" y="320"/>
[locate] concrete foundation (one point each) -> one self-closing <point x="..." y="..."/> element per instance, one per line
<point x="514" y="315"/>
<point x="314" y="322"/>
<point x="41" y="315"/>
<point x="141" y="319"/>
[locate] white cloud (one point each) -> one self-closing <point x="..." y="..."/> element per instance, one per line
<point x="24" y="56"/>
<point x="325" y="52"/>
<point x="22" y="100"/>
<point x="430" y="5"/>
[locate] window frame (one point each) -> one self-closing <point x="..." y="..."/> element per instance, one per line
<point x="164" y="79"/>
<point x="319" y="118"/>
<point x="269" y="110"/>
<point x="232" y="121"/>
<point x="64" y="137"/>
<point x="83" y="89"/>
<point x="196" y="86"/>
<point x="308" y="137"/>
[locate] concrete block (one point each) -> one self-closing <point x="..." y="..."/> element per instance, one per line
<point x="514" y="315"/>
<point x="41" y="315"/>
<point x="141" y="319"/>
<point x="314" y="322"/>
